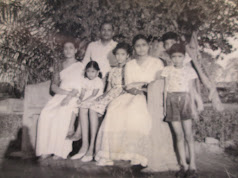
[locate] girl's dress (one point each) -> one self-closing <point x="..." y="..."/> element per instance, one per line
<point x="125" y="131"/>
<point x="54" y="120"/>
<point x="91" y="85"/>
<point x="115" y="79"/>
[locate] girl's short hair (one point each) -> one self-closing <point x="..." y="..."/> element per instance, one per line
<point x="177" y="48"/>
<point x="92" y="64"/>
<point x="139" y="37"/>
<point x="124" y="46"/>
<point x="170" y="36"/>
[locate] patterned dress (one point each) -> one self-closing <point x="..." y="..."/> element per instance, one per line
<point x="116" y="83"/>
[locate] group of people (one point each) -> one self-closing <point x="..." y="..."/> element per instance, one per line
<point x="113" y="83"/>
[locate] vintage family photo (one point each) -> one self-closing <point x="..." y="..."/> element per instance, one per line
<point x="119" y="88"/>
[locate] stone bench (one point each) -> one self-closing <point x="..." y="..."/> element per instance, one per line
<point x="36" y="96"/>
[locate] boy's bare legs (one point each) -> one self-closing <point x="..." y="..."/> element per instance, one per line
<point x="187" y="127"/>
<point x="178" y="129"/>
<point x="94" y="127"/>
<point x="83" y="114"/>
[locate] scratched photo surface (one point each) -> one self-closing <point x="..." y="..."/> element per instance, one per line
<point x="118" y="88"/>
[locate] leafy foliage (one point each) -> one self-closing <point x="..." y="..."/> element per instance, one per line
<point x="222" y="126"/>
<point x="32" y="29"/>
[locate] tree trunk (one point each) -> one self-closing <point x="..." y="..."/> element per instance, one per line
<point x="193" y="50"/>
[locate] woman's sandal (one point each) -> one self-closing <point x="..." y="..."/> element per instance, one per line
<point x="75" y="138"/>
<point x="78" y="156"/>
<point x="44" y="157"/>
<point x="87" y="158"/>
<point x="70" y="135"/>
<point x="56" y="157"/>
<point x="104" y="163"/>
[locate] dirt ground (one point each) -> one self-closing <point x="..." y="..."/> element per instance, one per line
<point x="210" y="165"/>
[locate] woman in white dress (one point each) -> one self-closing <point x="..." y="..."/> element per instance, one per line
<point x="55" y="117"/>
<point x="125" y="131"/>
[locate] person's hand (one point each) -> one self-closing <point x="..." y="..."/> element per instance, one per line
<point x="73" y="93"/>
<point x="79" y="101"/>
<point x="65" y="101"/>
<point x="135" y="91"/>
<point x="99" y="98"/>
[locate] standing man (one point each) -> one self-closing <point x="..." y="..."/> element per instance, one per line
<point x="101" y="50"/>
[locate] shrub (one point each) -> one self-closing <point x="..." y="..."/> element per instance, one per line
<point x="222" y="126"/>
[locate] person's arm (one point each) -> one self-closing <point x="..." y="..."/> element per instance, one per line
<point x="129" y="83"/>
<point x="82" y="94"/>
<point x="57" y="90"/>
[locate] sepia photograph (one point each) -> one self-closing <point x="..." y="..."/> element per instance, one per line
<point x="118" y="88"/>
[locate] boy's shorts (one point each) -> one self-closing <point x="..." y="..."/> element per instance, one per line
<point x="178" y="107"/>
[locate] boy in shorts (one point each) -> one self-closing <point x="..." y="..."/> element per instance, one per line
<point x="179" y="93"/>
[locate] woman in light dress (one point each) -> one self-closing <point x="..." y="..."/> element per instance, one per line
<point x="55" y="117"/>
<point x="125" y="133"/>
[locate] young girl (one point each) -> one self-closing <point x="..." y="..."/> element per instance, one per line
<point x="178" y="95"/>
<point x="114" y="89"/>
<point x="93" y="87"/>
<point x="55" y="117"/>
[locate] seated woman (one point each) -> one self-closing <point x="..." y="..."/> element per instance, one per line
<point x="125" y="131"/>
<point x="55" y="117"/>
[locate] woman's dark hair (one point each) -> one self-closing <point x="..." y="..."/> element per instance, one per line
<point x="170" y="36"/>
<point x="138" y="37"/>
<point x="69" y="39"/>
<point x="177" y="48"/>
<point x="93" y="64"/>
<point x="124" y="46"/>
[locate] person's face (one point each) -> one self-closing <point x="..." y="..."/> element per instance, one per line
<point x="91" y="73"/>
<point x="69" y="50"/>
<point x="177" y="59"/>
<point x="155" y="45"/>
<point x="106" y="32"/>
<point x="141" y="47"/>
<point x="121" y="56"/>
<point x="168" y="43"/>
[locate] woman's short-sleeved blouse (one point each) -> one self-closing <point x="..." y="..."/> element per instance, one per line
<point x="146" y="72"/>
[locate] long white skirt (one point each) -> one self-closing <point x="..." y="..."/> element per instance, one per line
<point x="124" y="134"/>
<point x="53" y="126"/>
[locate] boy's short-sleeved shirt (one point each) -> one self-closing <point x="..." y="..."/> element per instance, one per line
<point x="178" y="78"/>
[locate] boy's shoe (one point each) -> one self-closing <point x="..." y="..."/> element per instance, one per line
<point x="181" y="173"/>
<point x="191" y="174"/>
